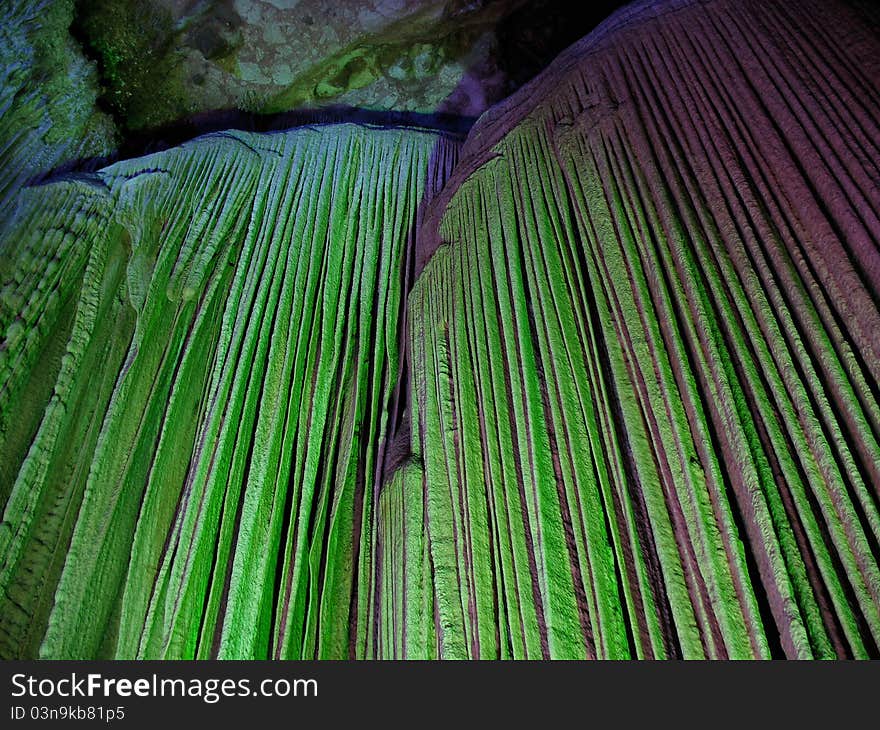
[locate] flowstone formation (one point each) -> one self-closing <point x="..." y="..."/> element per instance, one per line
<point x="600" y="382"/>
<point x="198" y="349"/>
<point x="645" y="351"/>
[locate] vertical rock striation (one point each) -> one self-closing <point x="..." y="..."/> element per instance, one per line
<point x="204" y="341"/>
<point x="606" y="388"/>
<point x="645" y="354"/>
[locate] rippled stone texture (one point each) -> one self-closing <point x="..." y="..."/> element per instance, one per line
<point x="603" y="382"/>
<point x="645" y="353"/>
<point x="198" y="347"/>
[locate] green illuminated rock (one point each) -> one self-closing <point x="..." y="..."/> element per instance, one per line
<point x="48" y="90"/>
<point x="600" y="383"/>
<point x="645" y="353"/>
<point x="163" y="61"/>
<point x="198" y="349"/>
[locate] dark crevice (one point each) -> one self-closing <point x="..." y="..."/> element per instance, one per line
<point x="534" y="34"/>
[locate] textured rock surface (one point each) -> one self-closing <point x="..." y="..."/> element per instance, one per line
<point x="167" y="59"/>
<point x="645" y="353"/>
<point x="82" y="77"/>
<point x="47" y="96"/>
<point x="198" y="347"/>
<point x="611" y="392"/>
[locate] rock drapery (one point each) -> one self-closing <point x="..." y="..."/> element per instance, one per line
<point x="629" y="331"/>
<point x="646" y="350"/>
<point x="214" y="364"/>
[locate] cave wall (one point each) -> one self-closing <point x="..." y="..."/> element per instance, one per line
<point x="203" y="342"/>
<point x="600" y="382"/>
<point x="645" y="353"/>
<point x="48" y="93"/>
